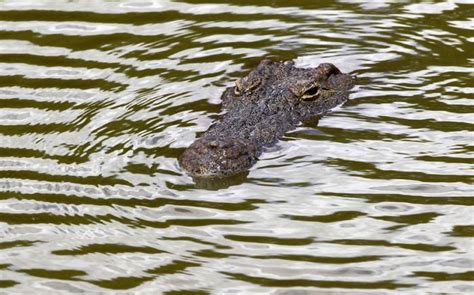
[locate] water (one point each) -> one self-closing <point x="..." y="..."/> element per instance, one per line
<point x="99" y="98"/>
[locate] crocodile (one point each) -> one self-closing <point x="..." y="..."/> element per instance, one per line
<point x="260" y="108"/>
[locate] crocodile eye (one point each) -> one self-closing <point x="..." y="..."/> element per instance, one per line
<point x="311" y="93"/>
<point x="237" y="88"/>
<point x="236" y="91"/>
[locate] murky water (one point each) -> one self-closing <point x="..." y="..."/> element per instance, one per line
<point x="99" y="98"/>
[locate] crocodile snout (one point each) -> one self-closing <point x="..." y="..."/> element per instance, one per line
<point x="218" y="156"/>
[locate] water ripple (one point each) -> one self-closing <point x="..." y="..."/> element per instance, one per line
<point x="98" y="100"/>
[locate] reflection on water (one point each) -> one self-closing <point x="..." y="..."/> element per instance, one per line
<point x="99" y="98"/>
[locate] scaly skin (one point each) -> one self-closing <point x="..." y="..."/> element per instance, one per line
<point x="271" y="100"/>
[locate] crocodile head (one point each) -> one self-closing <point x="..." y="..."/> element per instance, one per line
<point x="271" y="100"/>
<point x="270" y="81"/>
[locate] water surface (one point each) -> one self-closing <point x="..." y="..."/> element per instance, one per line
<point x="99" y="98"/>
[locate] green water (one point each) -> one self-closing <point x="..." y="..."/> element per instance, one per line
<point x="99" y="98"/>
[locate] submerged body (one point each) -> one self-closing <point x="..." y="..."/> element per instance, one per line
<point x="271" y="100"/>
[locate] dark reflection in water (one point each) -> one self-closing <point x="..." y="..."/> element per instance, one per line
<point x="216" y="183"/>
<point x="99" y="98"/>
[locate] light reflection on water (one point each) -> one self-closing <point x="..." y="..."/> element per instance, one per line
<point x="99" y="98"/>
